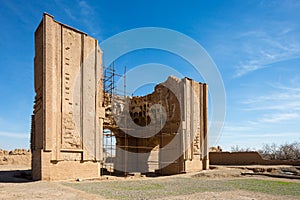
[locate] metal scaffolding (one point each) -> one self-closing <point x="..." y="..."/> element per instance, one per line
<point x="114" y="95"/>
<point x="110" y="92"/>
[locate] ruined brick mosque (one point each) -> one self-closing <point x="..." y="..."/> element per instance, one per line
<point x="71" y="111"/>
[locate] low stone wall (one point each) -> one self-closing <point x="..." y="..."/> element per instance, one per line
<point x="245" y="158"/>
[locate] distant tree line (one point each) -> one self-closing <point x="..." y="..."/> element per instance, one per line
<point x="287" y="151"/>
<point x="236" y="148"/>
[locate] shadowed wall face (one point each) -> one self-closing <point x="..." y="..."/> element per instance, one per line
<point x="171" y="118"/>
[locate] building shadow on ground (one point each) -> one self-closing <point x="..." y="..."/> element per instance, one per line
<point x="15" y="176"/>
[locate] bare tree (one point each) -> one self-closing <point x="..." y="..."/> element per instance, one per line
<point x="289" y="151"/>
<point x="269" y="151"/>
<point x="281" y="152"/>
<point x="236" y="148"/>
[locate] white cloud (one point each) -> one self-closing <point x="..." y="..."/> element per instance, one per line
<point x="295" y="81"/>
<point x="15" y="135"/>
<point x="246" y="68"/>
<point x="85" y="9"/>
<point x="17" y="11"/>
<point x="258" y="134"/>
<point x="281" y="104"/>
<point x="294" y="106"/>
<point x="263" y="48"/>
<point x="237" y="128"/>
<point x="85" y="15"/>
<point x="69" y="13"/>
<point x="284" y="98"/>
<point x="278" y="117"/>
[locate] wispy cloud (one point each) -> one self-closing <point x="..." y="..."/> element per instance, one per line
<point x="286" y="101"/>
<point x="282" y="104"/>
<point x="15" y="135"/>
<point x="85" y="9"/>
<point x="264" y="48"/>
<point x="237" y="128"/>
<point x="246" y="134"/>
<point x="247" y="67"/>
<point x="278" y="117"/>
<point x="85" y="15"/>
<point x="281" y="5"/>
<point x="69" y="13"/>
<point x="16" y="10"/>
<point x="257" y="134"/>
<point x="283" y="98"/>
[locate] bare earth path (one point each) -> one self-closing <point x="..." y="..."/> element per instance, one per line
<point x="137" y="188"/>
<point x="41" y="190"/>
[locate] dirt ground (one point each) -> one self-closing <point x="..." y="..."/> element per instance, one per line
<point x="46" y="190"/>
<point x="14" y="185"/>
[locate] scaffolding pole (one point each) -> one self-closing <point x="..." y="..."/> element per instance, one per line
<point x="111" y="91"/>
<point x="125" y="126"/>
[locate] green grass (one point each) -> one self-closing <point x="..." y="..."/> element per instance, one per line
<point x="157" y="188"/>
<point x="267" y="186"/>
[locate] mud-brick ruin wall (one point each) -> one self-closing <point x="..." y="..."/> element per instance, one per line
<point x="68" y="118"/>
<point x="245" y="158"/>
<point x="68" y="111"/>
<point x="182" y="140"/>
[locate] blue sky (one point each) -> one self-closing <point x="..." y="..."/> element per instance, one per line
<point x="255" y="44"/>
